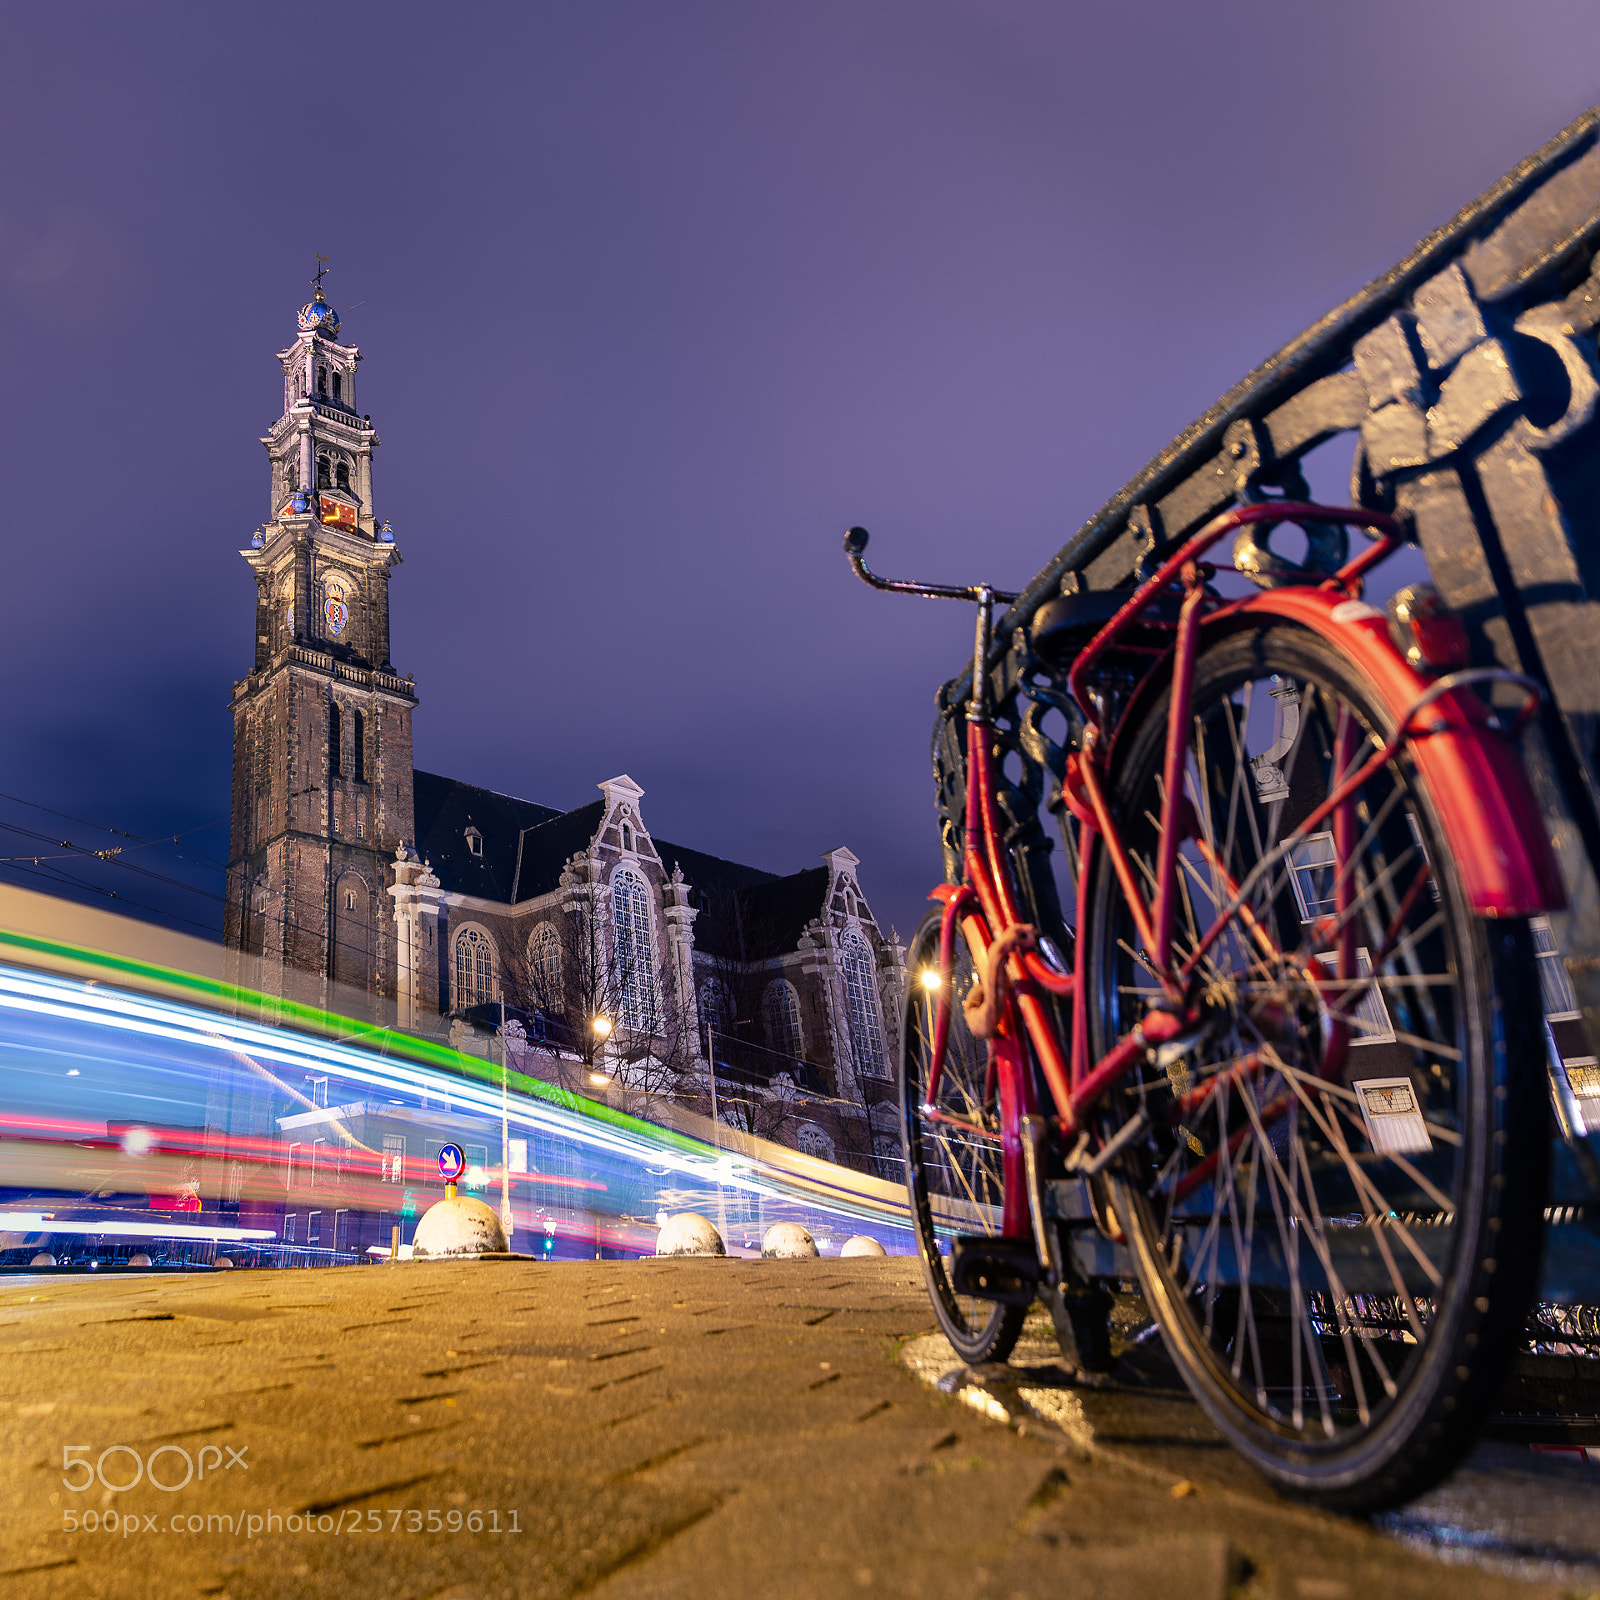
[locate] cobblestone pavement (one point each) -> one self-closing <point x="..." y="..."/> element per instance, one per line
<point x="657" y="1428"/>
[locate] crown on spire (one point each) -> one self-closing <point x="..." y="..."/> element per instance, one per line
<point x="316" y="315"/>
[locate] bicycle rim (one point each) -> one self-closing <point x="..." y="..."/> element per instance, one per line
<point x="1336" y="1206"/>
<point x="953" y="1177"/>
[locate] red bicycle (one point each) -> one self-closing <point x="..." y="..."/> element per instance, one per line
<point x="1294" y="1061"/>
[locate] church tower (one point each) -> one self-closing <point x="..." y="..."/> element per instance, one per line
<point x="322" y="789"/>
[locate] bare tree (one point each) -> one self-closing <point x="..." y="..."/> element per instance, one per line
<point x="597" y="1003"/>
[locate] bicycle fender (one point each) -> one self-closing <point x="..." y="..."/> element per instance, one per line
<point x="1485" y="804"/>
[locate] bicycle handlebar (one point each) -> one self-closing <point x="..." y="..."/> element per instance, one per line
<point x="855" y="541"/>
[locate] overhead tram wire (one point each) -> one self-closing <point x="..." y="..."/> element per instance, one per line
<point x="155" y="842"/>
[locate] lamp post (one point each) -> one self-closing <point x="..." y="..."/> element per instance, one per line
<point x="505" y="1128"/>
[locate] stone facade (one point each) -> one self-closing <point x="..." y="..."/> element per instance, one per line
<point x="593" y="952"/>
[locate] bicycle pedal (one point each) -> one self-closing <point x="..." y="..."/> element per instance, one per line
<point x="1000" y="1269"/>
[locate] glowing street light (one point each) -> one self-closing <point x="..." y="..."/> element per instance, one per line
<point x="602" y="1027"/>
<point x="931" y="980"/>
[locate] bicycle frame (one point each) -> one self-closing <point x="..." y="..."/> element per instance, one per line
<point x="1490" y="821"/>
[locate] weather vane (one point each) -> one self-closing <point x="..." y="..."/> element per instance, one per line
<point x="322" y="267"/>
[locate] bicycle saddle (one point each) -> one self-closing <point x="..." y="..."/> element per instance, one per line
<point x="1063" y="626"/>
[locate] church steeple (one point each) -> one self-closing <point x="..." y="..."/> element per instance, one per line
<point x="322" y="725"/>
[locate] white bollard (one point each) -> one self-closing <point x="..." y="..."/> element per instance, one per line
<point x="862" y="1245"/>
<point x="787" y="1241"/>
<point x="139" y="1259"/>
<point x="222" y="1261"/>
<point x="43" y="1259"/>
<point x="689" y="1234"/>
<point x="457" y="1227"/>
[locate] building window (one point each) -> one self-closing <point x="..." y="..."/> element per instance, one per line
<point x="544" y="966"/>
<point x="716" y="1005"/>
<point x="358" y="730"/>
<point x="342" y="475"/>
<point x="1369" y="1016"/>
<point x="323" y="479"/>
<point x="1555" y="987"/>
<point x="780" y="1018"/>
<point x="474" y="841"/>
<point x="1311" y="871"/>
<point x="338" y="386"/>
<point x="322" y="380"/>
<point x="861" y="1003"/>
<point x="474" y="969"/>
<point x="627" y="837"/>
<point x="636" y="967"/>
<point x="394" y="1158"/>
<point x="814" y="1142"/>
<point x="335" y="741"/>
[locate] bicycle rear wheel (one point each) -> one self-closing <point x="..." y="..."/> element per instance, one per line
<point x="1336" y="1201"/>
<point x="954" y="1178"/>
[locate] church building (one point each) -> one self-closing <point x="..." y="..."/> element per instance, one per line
<point x="594" y="952"/>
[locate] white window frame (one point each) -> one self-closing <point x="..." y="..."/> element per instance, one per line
<point x="634" y="947"/>
<point x="859" y="972"/>
<point x="477" y="940"/>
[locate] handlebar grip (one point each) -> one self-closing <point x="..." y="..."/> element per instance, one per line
<point x="855" y="541"/>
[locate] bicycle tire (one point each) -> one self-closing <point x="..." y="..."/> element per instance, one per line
<point x="958" y="1174"/>
<point x="1356" y="1370"/>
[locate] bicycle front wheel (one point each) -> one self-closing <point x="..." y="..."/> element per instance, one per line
<point x="954" y="1178"/>
<point x="1335" y="1200"/>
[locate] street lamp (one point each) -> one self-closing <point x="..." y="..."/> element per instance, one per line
<point x="602" y="1027"/>
<point x="931" y="980"/>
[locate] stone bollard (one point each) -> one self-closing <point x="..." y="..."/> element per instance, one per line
<point x="787" y="1241"/>
<point x="222" y="1261"/>
<point x="862" y="1245"/>
<point x="457" y="1227"/>
<point x="43" y="1259"/>
<point x="689" y="1234"/>
<point x="139" y="1259"/>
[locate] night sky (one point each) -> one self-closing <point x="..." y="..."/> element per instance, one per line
<point x="655" y="301"/>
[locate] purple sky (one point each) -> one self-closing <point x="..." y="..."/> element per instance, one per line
<point x="658" y="300"/>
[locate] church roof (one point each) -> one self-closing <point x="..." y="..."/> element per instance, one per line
<point x="746" y="914"/>
<point x="447" y="808"/>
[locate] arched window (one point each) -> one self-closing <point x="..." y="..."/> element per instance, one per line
<point x="861" y="1003"/>
<point x="636" y="964"/>
<point x="358" y="731"/>
<point x="716" y="1005"/>
<point x="322" y="380"/>
<point x="338" y="386"/>
<point x="544" y="966"/>
<point x="780" y="1018"/>
<point x="627" y="837"/>
<point x="814" y="1142"/>
<point x="323" y="480"/>
<point x="341" y="475"/>
<point x="335" y="742"/>
<point x="474" y="969"/>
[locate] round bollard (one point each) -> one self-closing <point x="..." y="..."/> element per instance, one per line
<point x="862" y="1245"/>
<point x="221" y="1261"/>
<point x="139" y="1259"/>
<point x="43" y="1259"/>
<point x="787" y="1241"/>
<point x="689" y="1234"/>
<point x="457" y="1227"/>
